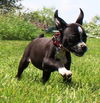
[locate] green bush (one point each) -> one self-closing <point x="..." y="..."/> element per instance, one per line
<point x="92" y="28"/>
<point x="16" y="28"/>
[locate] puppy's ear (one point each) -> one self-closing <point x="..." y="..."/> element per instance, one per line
<point x="60" y="23"/>
<point x="80" y="18"/>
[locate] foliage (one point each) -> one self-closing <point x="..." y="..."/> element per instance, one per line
<point x="44" y="16"/>
<point x="26" y="26"/>
<point x="16" y="28"/>
<point x="9" y="5"/>
<point x="85" y="86"/>
<point x="93" y="27"/>
<point x="96" y="19"/>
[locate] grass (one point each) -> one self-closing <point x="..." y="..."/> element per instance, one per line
<point x="85" y="86"/>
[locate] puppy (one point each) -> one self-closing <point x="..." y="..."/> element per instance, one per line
<point x="54" y="54"/>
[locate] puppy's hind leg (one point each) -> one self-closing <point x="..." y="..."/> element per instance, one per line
<point x="24" y="62"/>
<point x="22" y="65"/>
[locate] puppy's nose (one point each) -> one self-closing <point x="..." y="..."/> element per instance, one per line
<point x="84" y="48"/>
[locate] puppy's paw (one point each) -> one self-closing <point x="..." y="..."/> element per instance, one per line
<point x="67" y="74"/>
<point x="64" y="71"/>
<point x="67" y="79"/>
<point x="18" y="77"/>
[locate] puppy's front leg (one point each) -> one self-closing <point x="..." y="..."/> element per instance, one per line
<point x="51" y="65"/>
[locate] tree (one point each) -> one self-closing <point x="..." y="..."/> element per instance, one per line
<point x="8" y="5"/>
<point x="41" y="18"/>
<point x="96" y="19"/>
<point x="44" y="16"/>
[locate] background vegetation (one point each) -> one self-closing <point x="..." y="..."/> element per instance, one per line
<point x="16" y="28"/>
<point x="93" y="27"/>
<point x="18" y="25"/>
<point x="9" y="5"/>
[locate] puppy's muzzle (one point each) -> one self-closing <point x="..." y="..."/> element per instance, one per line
<point x="80" y="49"/>
<point x="82" y="46"/>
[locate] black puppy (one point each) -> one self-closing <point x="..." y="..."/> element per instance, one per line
<point x="51" y="55"/>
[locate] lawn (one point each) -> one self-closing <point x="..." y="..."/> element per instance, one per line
<point x="85" y="86"/>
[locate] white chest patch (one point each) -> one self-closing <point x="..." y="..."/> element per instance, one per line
<point x="80" y="30"/>
<point x="61" y="55"/>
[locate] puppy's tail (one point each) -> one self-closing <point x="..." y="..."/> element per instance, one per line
<point x="41" y="36"/>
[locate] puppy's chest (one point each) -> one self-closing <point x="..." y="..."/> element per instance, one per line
<point x="61" y="55"/>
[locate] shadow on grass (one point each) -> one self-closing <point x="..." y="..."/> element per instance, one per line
<point x="74" y="84"/>
<point x="38" y="79"/>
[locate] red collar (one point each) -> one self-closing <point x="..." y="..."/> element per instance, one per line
<point x="56" y="40"/>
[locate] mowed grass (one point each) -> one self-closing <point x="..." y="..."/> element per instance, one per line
<point x="85" y="86"/>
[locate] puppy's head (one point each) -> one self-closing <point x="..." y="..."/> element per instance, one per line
<point x="73" y="36"/>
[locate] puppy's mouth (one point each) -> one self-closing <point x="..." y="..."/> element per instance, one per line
<point x="79" y="54"/>
<point x="78" y="51"/>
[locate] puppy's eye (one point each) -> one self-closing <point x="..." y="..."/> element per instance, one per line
<point x="73" y="40"/>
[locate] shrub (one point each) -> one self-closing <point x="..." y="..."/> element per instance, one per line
<point x="16" y="28"/>
<point x="92" y="28"/>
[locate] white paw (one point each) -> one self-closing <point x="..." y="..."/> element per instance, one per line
<point x="63" y="71"/>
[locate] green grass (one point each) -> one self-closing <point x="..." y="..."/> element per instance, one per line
<point x="85" y="86"/>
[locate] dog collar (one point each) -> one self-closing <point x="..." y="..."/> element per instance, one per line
<point x="57" y="41"/>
